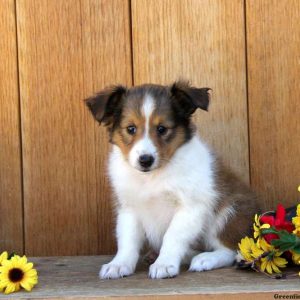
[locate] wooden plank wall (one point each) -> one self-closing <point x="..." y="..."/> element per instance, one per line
<point x="273" y="35"/>
<point x="68" y="50"/>
<point x="175" y="38"/>
<point x="59" y="52"/>
<point x="11" y="220"/>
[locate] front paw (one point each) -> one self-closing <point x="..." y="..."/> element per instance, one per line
<point x="114" y="271"/>
<point x="158" y="271"/>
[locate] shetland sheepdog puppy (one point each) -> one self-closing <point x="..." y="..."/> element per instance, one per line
<point x="171" y="190"/>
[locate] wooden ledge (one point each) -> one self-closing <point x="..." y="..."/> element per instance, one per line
<point x="77" y="278"/>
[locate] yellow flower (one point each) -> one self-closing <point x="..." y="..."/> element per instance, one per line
<point x="3" y="256"/>
<point x="258" y="227"/>
<point x="245" y="246"/>
<point x="296" y="257"/>
<point x="272" y="261"/>
<point x="296" y="222"/>
<point x="16" y="273"/>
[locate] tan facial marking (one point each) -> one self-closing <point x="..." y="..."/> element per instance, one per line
<point x="168" y="143"/>
<point x="122" y="138"/>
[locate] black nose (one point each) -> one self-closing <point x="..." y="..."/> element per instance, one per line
<point x="146" y="160"/>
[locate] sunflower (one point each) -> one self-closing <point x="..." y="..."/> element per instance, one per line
<point x="258" y="227"/>
<point x="270" y="257"/>
<point x="16" y="273"/>
<point x="246" y="246"/>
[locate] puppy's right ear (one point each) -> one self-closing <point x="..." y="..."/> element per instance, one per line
<point x="107" y="104"/>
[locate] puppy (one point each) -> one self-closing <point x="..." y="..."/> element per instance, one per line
<point x="171" y="190"/>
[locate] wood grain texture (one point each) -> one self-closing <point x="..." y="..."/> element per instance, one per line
<point x="11" y="220"/>
<point x="68" y="50"/>
<point x="273" y="37"/>
<point x="77" y="278"/>
<point x="204" y="42"/>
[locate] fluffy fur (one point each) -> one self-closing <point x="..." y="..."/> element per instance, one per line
<point x="185" y="204"/>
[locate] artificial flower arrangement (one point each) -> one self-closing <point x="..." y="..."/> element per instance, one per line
<point x="275" y="243"/>
<point x="16" y="272"/>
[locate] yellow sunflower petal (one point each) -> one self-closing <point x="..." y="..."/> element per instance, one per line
<point x="27" y="267"/>
<point x="22" y="260"/>
<point x="32" y="281"/>
<point x="280" y="262"/>
<point x="269" y="268"/>
<point x="298" y="210"/>
<point x="3" y="270"/>
<point x="264" y="226"/>
<point x="27" y="286"/>
<point x="256" y="218"/>
<point x="245" y="248"/>
<point x="3" y="256"/>
<point x="263" y="264"/>
<point x="6" y="263"/>
<point x="10" y="288"/>
<point x="256" y="250"/>
<point x="31" y="272"/>
<point x="275" y="268"/>
<point x="3" y="283"/>
<point x="15" y="261"/>
<point x="265" y="246"/>
<point x="17" y="287"/>
<point x="296" y="258"/>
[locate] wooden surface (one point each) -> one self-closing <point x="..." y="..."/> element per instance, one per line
<point x="67" y="51"/>
<point x="11" y="220"/>
<point x="202" y="41"/>
<point x="64" y="51"/>
<point x="273" y="35"/>
<point x="77" y="278"/>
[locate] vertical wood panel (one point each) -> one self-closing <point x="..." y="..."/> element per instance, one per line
<point x="68" y="50"/>
<point x="202" y="41"/>
<point x="11" y="230"/>
<point x="273" y="38"/>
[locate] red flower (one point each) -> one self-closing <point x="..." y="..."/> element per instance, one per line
<point x="278" y="222"/>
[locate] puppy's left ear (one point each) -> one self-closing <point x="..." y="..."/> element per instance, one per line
<point x="187" y="98"/>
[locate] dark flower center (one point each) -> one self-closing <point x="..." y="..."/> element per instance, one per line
<point x="15" y="275"/>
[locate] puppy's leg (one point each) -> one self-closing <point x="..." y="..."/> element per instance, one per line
<point x="183" y="230"/>
<point x="130" y="238"/>
<point x="219" y="258"/>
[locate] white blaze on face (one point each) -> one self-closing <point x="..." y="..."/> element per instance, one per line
<point x="145" y="145"/>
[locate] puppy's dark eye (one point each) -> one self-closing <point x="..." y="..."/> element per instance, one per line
<point x="131" y="129"/>
<point x="161" y="130"/>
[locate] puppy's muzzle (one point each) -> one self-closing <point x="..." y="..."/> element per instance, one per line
<point x="146" y="161"/>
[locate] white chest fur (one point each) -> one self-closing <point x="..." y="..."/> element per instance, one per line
<point x="187" y="180"/>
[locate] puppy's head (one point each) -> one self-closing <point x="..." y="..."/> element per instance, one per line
<point x="148" y="122"/>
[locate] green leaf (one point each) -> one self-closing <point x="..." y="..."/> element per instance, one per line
<point x="269" y="230"/>
<point x="286" y="241"/>
<point x="283" y="246"/>
<point x="297" y="249"/>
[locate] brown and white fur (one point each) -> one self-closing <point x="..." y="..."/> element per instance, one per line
<point x="171" y="190"/>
